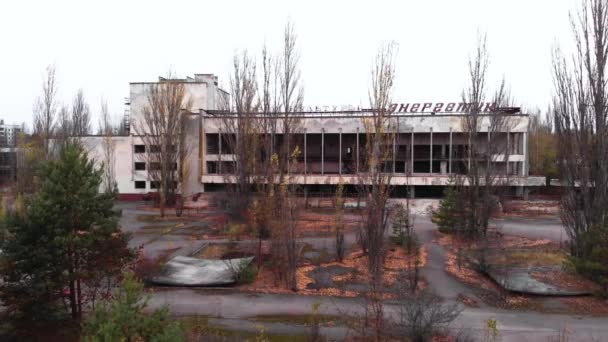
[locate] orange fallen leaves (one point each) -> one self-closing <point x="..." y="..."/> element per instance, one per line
<point x="395" y="261"/>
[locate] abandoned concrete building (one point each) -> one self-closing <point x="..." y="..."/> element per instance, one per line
<point x="427" y="147"/>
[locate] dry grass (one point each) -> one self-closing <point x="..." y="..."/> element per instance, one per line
<point x="566" y="281"/>
<point x="213" y="251"/>
<point x="587" y="305"/>
<point x="315" y="223"/>
<point x="531" y="208"/>
<point x="525" y="252"/>
<point x="529" y="258"/>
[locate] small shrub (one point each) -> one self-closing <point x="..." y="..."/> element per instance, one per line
<point x="445" y="215"/>
<point x="403" y="234"/>
<point x="491" y="332"/>
<point x="234" y="231"/>
<point x="145" y="268"/>
<point x="314" y="322"/>
<point x="245" y="273"/>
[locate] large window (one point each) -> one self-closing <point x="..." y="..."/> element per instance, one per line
<point x="212" y="167"/>
<point x="140" y="184"/>
<point x="213" y="143"/>
<point x="139" y="166"/>
<point x="140" y="148"/>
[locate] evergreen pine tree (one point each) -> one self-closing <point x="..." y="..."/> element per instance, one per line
<point x="400" y="226"/>
<point x="63" y="245"/>
<point x="445" y="216"/>
<point x="123" y="319"/>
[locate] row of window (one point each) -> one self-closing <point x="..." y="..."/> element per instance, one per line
<point x="153" y="184"/>
<point x="153" y="166"/>
<point x="151" y="148"/>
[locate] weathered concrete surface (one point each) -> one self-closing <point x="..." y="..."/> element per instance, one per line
<point x="520" y="280"/>
<point x="186" y="271"/>
<point x="540" y="227"/>
<point x="227" y="305"/>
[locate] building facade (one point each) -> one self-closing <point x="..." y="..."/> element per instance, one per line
<point x="428" y="146"/>
<point x="8" y="152"/>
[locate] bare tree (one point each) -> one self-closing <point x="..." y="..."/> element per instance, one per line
<point x="339" y="221"/>
<point x="291" y="98"/>
<point x="487" y="148"/>
<point x="241" y="128"/>
<point x="63" y="130"/>
<point x="109" y="148"/>
<point x="45" y="108"/>
<point x="162" y="129"/>
<point x="30" y="153"/>
<point x="81" y="118"/>
<point x="580" y="111"/>
<point x="260" y="134"/>
<point x="374" y="183"/>
<point x="542" y="145"/>
<point x="421" y="315"/>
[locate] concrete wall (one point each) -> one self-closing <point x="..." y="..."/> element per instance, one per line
<point x="123" y="161"/>
<point x="353" y="123"/>
<point x="196" y="93"/>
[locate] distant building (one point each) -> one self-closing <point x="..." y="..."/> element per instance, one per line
<point x="8" y="134"/>
<point x="131" y="169"/>
<point x="8" y="152"/>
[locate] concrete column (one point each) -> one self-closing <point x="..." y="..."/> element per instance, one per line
<point x="305" y="165"/>
<point x="524" y="165"/>
<point x="357" y="167"/>
<point x="443" y="167"/>
<point x="132" y="158"/>
<point x="322" y="151"/>
<point x="431" y="154"/>
<point x="202" y="167"/>
<point x="523" y="192"/>
<point x="410" y="192"/>
<point x="236" y="139"/>
<point x="488" y="151"/>
<point x="508" y="151"/>
<point x="219" y="144"/>
<point x="469" y="151"/>
<point x="340" y="152"/>
<point x="394" y="150"/>
<point x="412" y="153"/>
<point x="450" y="151"/>
<point x="288" y="138"/>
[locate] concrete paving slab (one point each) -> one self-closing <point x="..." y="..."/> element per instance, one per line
<point x="520" y="280"/>
<point x="186" y="271"/>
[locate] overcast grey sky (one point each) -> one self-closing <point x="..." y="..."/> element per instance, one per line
<point x="101" y="46"/>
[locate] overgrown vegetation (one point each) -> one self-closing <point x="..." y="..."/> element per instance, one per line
<point x="65" y="251"/>
<point x="123" y="319"/>
<point x="339" y="222"/>
<point x="403" y="229"/>
<point x="422" y="315"/>
<point x="446" y="215"/>
<point x="580" y="111"/>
